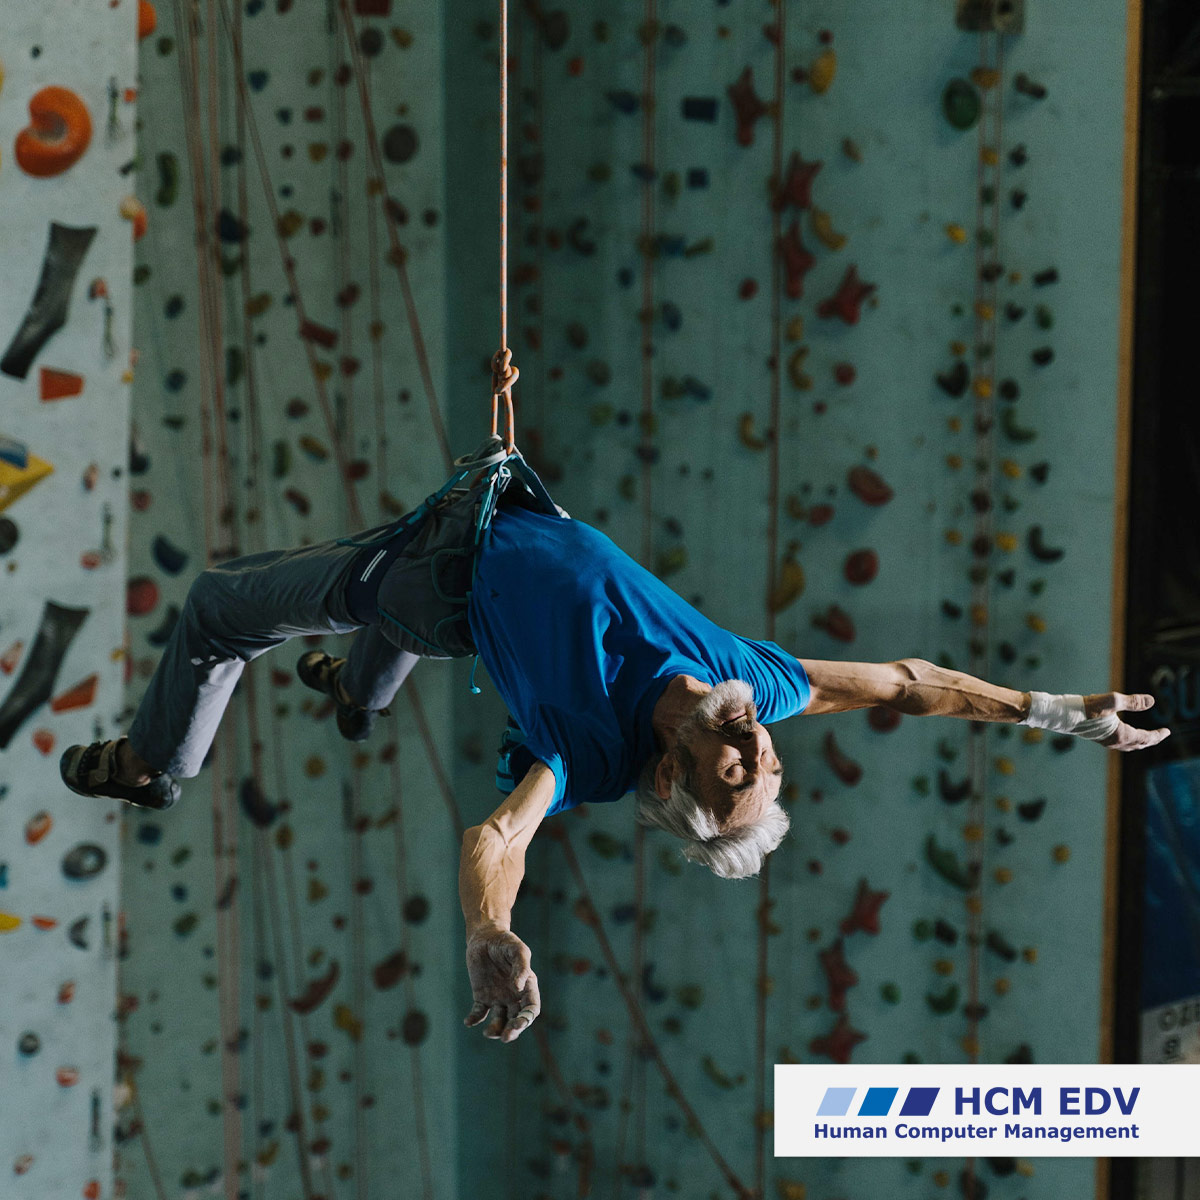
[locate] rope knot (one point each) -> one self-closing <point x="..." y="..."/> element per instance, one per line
<point x="504" y="374"/>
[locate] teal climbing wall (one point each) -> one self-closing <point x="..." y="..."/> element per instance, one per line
<point x="66" y="139"/>
<point x="977" y="385"/>
<point x="921" y="469"/>
<point x="284" y="984"/>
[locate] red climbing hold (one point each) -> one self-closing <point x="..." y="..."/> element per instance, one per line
<point x="837" y="623"/>
<point x="883" y="720"/>
<point x="865" y="913"/>
<point x="839" y="1043"/>
<point x="141" y="595"/>
<point x="839" y="975"/>
<point x="797" y="261"/>
<point x="796" y="189"/>
<point x="747" y="289"/>
<point x="747" y="107"/>
<point x="846" y="302"/>
<point x="869" y="487"/>
<point x="844" y="767"/>
<point x="862" y="566"/>
<point x="845" y="374"/>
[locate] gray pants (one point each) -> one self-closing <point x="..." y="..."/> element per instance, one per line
<point x="235" y="612"/>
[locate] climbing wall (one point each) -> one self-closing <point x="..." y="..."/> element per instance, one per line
<point x="284" y="986"/>
<point x="816" y="312"/>
<point x="67" y="105"/>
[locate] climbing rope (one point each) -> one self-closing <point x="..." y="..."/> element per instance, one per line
<point x="504" y="375"/>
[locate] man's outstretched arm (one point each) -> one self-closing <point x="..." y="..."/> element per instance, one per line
<point x="489" y="874"/>
<point x="921" y="688"/>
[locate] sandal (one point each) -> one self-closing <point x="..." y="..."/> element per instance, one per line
<point x="91" y="771"/>
<point x="319" y="671"/>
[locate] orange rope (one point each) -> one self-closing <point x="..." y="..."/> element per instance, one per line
<point x="503" y="375"/>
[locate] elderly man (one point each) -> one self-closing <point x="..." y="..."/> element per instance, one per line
<point x="613" y="683"/>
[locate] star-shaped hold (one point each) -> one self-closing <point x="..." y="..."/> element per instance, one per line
<point x="747" y="107"/>
<point x="839" y="1042"/>
<point x="796" y="189"/>
<point x="797" y="261"/>
<point x="839" y="974"/>
<point x="847" y="300"/>
<point x="865" y="913"/>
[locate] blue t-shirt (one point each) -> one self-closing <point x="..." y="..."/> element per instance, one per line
<point x="581" y="641"/>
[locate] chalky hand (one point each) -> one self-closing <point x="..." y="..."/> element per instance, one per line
<point x="1124" y="737"/>
<point x="502" y="981"/>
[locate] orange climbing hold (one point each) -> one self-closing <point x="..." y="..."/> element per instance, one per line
<point x="56" y="385"/>
<point x="59" y="132"/>
<point x="79" y="696"/>
<point x="147" y="19"/>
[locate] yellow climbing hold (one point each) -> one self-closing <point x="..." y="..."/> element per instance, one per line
<point x="796" y="369"/>
<point x="343" y="1018"/>
<point x="316" y="890"/>
<point x="1003" y="875"/>
<point x="1003" y="804"/>
<point x="1006" y="541"/>
<point x="944" y="966"/>
<point x="1031" y="737"/>
<point x="820" y="77"/>
<point x="979" y="615"/>
<point x="1005" y="766"/>
<point x="970" y="1045"/>
<point x="791" y="1191"/>
<point x="1025" y="1169"/>
<point x="954" y="424"/>
<point x="984" y="311"/>
<point x="941" y="1178"/>
<point x="1036" y="623"/>
<point x="954" y="462"/>
<point x="985" y="78"/>
<point x="747" y="435"/>
<point x="982" y="387"/>
<point x="973" y="905"/>
<point x="9" y="922"/>
<point x="958" y="349"/>
<point x="789" y="586"/>
<point x="973" y="833"/>
<point x="402" y="37"/>
<point x="953" y="537"/>
<point x="1061" y="853"/>
<point x="257" y="305"/>
<point x="314" y="766"/>
<point x="1029" y="954"/>
<point x="822" y="225"/>
<point x="956" y="233"/>
<point x="795" y="329"/>
<point x="988" y="156"/>
<point x="1002" y="985"/>
<point x="1011" y="469"/>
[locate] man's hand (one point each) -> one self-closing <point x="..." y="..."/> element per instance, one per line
<point x="502" y="980"/>
<point x="1125" y="737"/>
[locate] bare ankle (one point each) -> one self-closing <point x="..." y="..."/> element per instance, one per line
<point x="132" y="770"/>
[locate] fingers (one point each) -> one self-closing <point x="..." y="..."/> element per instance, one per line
<point x="479" y="1010"/>
<point x="517" y="1026"/>
<point x="1138" y="702"/>
<point x="495" y="1027"/>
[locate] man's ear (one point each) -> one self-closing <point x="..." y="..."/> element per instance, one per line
<point x="664" y="773"/>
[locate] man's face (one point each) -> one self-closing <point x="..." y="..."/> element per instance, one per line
<point x="731" y="757"/>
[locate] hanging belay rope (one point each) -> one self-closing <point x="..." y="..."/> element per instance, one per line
<point x="504" y="374"/>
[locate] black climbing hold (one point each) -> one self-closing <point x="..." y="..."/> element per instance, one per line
<point x="168" y="556"/>
<point x="1018" y="155"/>
<point x="1017" y="198"/>
<point x="29" y="1044"/>
<point x="1031" y="810"/>
<point x="1014" y="312"/>
<point x="9" y="535"/>
<point x="699" y="108"/>
<point x="84" y="861"/>
<point x="945" y="932"/>
<point x="416" y="909"/>
<point x="1008" y="389"/>
<point x="1039" y="549"/>
<point x="1049" y="275"/>
<point x="623" y="101"/>
<point x="1040" y="471"/>
<point x="697" y="177"/>
<point x="255" y="805"/>
<point x="400" y="143"/>
<point x="1042" y="356"/>
<point x="229" y="227"/>
<point x="990" y="272"/>
<point x="953" y="793"/>
<point x="954" y="382"/>
<point x="1008" y="652"/>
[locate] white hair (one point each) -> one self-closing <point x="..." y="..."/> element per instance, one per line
<point x="737" y="854"/>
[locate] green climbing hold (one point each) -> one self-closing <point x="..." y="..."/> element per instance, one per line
<point x="890" y="993"/>
<point x="946" y="1002"/>
<point x="923" y="930"/>
<point x="960" y="103"/>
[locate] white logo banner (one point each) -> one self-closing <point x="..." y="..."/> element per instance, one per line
<point x="906" y="1110"/>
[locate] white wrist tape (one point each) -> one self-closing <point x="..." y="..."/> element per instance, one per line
<point x="1064" y="714"/>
